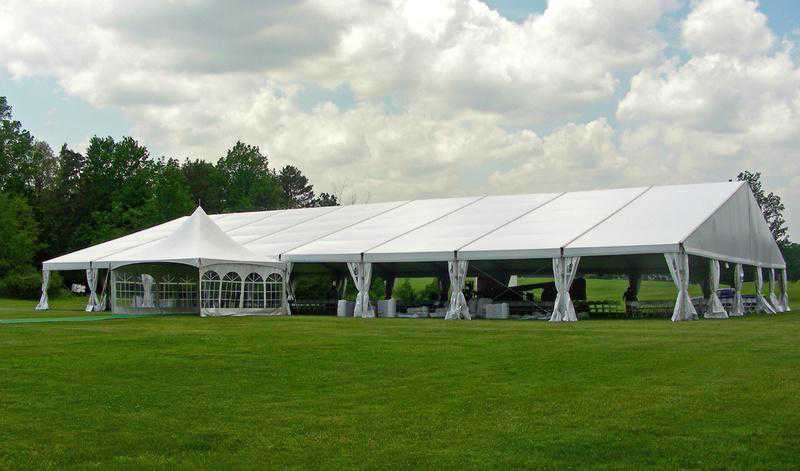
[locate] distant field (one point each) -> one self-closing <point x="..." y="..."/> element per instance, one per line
<point x="612" y="289"/>
<point x="316" y="392"/>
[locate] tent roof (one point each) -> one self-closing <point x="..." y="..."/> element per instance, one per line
<point x="197" y="239"/>
<point x="718" y="220"/>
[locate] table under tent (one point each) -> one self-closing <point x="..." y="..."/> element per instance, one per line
<point x="698" y="233"/>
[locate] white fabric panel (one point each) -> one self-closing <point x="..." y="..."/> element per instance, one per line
<point x="348" y="244"/>
<point x="288" y="288"/>
<point x="764" y="250"/>
<point x="387" y="308"/>
<point x="43" y="300"/>
<point x="91" y="282"/>
<point x="147" y="288"/>
<point x="321" y="225"/>
<point x="497" y="311"/>
<point x="544" y="231"/>
<point x="738" y="282"/>
<point x="678" y="264"/>
<point x="103" y="304"/>
<point x="279" y="221"/>
<point x="708" y="218"/>
<point x="564" y="270"/>
<point x="785" y="291"/>
<point x="198" y="238"/>
<point x="457" y="309"/>
<point x="345" y="308"/>
<point x="441" y="238"/>
<point x="715" y="309"/>
<point x="763" y="305"/>
<point x="773" y="298"/>
<point x="736" y="232"/>
<point x="655" y="222"/>
<point x="81" y="259"/>
<point x="362" y="276"/>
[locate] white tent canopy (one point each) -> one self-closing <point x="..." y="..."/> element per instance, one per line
<point x="718" y="221"/>
<point x="714" y="220"/>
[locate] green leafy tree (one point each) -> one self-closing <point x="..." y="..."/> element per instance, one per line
<point x="770" y="204"/>
<point x="405" y="292"/>
<point x="170" y="197"/>
<point x="18" y="234"/>
<point x="326" y="199"/>
<point x="206" y="185"/>
<point x="249" y="185"/>
<point x="791" y="253"/>
<point x="63" y="208"/>
<point x="296" y="189"/>
<point x="17" y="169"/>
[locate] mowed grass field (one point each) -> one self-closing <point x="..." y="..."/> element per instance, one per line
<point x="402" y="393"/>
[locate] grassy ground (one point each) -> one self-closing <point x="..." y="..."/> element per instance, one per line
<point x="327" y="392"/>
<point x="66" y="306"/>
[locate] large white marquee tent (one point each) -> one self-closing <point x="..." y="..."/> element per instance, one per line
<point x="241" y="259"/>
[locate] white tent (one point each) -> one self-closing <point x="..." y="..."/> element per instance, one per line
<point x="717" y="221"/>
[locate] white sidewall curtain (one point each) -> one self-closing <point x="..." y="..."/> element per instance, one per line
<point x="678" y="264"/>
<point x="43" y="301"/>
<point x="91" y="281"/>
<point x="738" y="283"/>
<point x="715" y="309"/>
<point x="564" y="271"/>
<point x="457" y="309"/>
<point x="763" y="305"/>
<point x="785" y="291"/>
<point x="362" y="275"/>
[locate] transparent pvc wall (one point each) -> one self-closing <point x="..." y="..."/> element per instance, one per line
<point x="144" y="288"/>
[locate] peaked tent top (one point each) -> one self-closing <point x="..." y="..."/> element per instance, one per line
<point x="196" y="241"/>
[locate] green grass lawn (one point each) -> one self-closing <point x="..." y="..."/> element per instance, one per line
<point x="401" y="393"/>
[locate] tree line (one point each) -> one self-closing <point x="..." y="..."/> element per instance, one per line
<point x="53" y="203"/>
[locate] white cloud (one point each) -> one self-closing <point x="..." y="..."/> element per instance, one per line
<point x="476" y="103"/>
<point x="733" y="27"/>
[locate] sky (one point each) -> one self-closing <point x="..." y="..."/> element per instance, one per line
<point x="388" y="99"/>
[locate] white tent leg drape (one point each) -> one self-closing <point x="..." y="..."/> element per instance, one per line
<point x="714" y="309"/>
<point x="147" y="288"/>
<point x="773" y="298"/>
<point x="101" y="306"/>
<point x="457" y="309"/>
<point x="91" y="281"/>
<point x="44" y="303"/>
<point x="362" y="276"/>
<point x="763" y="305"/>
<point x="288" y="294"/>
<point x="678" y="264"/>
<point x="785" y="291"/>
<point x="564" y="271"/>
<point x="738" y="282"/>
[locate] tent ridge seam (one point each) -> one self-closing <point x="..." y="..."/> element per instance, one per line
<point x="525" y="213"/>
<point x="346" y="227"/>
<point x="292" y="225"/>
<point x="600" y="222"/>
<point x="425" y="223"/>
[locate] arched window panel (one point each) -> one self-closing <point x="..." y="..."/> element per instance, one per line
<point x="128" y="290"/>
<point x="253" y="291"/>
<point x="231" y="291"/>
<point x="274" y="291"/>
<point x="187" y="296"/>
<point x="210" y="289"/>
<point x="167" y="291"/>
